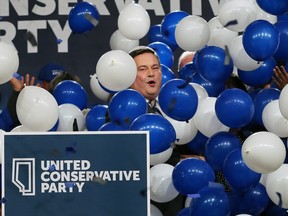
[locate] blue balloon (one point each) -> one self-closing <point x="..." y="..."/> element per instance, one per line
<point x="83" y="17"/>
<point x="169" y="23"/>
<point x="213" y="201"/>
<point x="281" y="54"/>
<point x="187" y="71"/>
<point x="162" y="132"/>
<point x="262" y="98"/>
<point x="261" y="40"/>
<point x="70" y="91"/>
<point x="218" y="146"/>
<point x="237" y="174"/>
<point x="164" y="52"/>
<point x="278" y="7"/>
<point x="96" y="117"/>
<point x="167" y="74"/>
<point x="213" y="89"/>
<point x="259" y="76"/>
<point x="211" y="64"/>
<point x="178" y="99"/>
<point x="197" y="145"/>
<point x="283" y="17"/>
<point x="191" y="175"/>
<point x="125" y="106"/>
<point x="111" y="126"/>
<point x="234" y="108"/>
<point x="154" y="35"/>
<point x="256" y="199"/>
<point x="253" y="202"/>
<point x="272" y="209"/>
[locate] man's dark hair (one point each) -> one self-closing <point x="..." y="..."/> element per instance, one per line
<point x="143" y="49"/>
<point x="234" y="82"/>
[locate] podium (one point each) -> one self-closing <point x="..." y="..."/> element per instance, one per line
<point x="77" y="173"/>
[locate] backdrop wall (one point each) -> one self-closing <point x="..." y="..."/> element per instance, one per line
<point x="78" y="53"/>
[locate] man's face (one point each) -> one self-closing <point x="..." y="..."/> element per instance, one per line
<point x="149" y="75"/>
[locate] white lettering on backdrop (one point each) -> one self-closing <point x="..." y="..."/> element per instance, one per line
<point x="44" y="8"/>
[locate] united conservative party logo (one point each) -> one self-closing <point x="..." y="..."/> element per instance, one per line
<point x="63" y="176"/>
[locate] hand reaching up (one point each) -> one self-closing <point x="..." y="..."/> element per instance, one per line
<point x="280" y="77"/>
<point x="18" y="83"/>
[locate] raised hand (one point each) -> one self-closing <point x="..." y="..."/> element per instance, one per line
<point x="19" y="82"/>
<point x="280" y="76"/>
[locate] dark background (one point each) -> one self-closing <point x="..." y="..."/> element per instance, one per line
<point x="84" y="49"/>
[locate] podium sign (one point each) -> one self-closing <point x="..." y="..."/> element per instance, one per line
<point x="79" y="173"/>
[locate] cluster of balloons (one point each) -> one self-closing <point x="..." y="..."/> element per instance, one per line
<point x="39" y="110"/>
<point x="197" y="109"/>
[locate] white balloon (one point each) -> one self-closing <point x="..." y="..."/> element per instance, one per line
<point x="205" y="118"/>
<point x="9" y="61"/>
<point x="162" y="189"/>
<point x="273" y="120"/>
<point x="97" y="90"/>
<point x="263" y="152"/>
<point x="21" y="128"/>
<point x="263" y="179"/>
<point x="134" y="21"/>
<point x="277" y="184"/>
<point x="188" y="202"/>
<point x="154" y="211"/>
<point x="243" y="215"/>
<point x="185" y="130"/>
<point x="116" y="70"/>
<point x="36" y="108"/>
<point x="240" y="57"/>
<point x="67" y="114"/>
<point x="219" y="35"/>
<point x="283" y="101"/>
<point x="161" y="157"/>
<point x="200" y="90"/>
<point x="243" y="12"/>
<point x="192" y="33"/>
<point x="119" y="42"/>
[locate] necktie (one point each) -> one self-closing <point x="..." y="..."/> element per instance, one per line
<point x="152" y="105"/>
